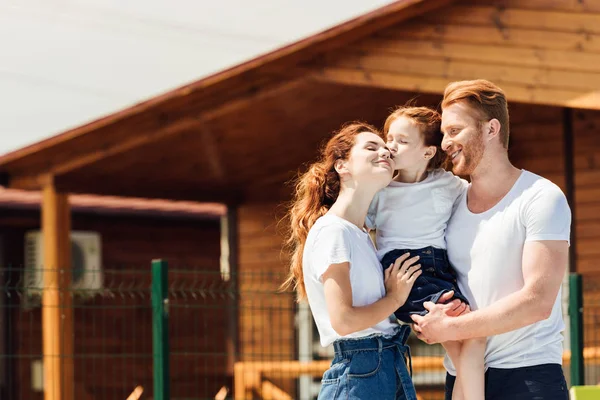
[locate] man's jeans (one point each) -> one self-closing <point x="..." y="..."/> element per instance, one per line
<point x="539" y="382"/>
<point x="373" y="367"/>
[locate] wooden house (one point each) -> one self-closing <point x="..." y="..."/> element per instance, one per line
<point x="238" y="136"/>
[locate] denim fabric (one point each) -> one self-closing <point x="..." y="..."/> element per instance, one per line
<point x="373" y="367"/>
<point x="539" y="382"/>
<point x="437" y="277"/>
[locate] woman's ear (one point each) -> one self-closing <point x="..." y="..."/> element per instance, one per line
<point x="430" y="152"/>
<point x="340" y="166"/>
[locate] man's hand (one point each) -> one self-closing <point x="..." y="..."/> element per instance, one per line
<point x="434" y="327"/>
<point x="451" y="308"/>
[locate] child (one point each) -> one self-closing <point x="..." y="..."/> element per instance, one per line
<point x="411" y="215"/>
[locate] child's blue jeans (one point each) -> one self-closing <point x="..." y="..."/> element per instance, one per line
<point x="437" y="277"/>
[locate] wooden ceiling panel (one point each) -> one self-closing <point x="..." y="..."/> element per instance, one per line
<point x="261" y="144"/>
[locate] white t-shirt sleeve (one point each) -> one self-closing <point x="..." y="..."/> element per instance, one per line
<point x="371" y="220"/>
<point x="331" y="246"/>
<point x="547" y="215"/>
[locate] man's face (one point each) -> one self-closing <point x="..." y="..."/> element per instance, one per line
<point x="463" y="137"/>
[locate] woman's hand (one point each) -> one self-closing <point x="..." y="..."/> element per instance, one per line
<point x="401" y="276"/>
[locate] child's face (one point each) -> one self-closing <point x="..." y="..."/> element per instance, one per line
<point x="406" y="145"/>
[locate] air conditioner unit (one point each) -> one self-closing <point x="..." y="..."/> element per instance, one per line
<point x="86" y="264"/>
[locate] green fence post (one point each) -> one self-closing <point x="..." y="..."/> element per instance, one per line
<point x="160" y="329"/>
<point x="576" y="321"/>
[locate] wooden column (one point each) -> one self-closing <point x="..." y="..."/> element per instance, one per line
<point x="57" y="310"/>
<point x="229" y="272"/>
<point x="570" y="182"/>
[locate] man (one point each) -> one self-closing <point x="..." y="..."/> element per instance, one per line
<point x="508" y="240"/>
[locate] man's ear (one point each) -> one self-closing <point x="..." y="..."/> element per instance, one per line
<point x="430" y="152"/>
<point x="340" y="166"/>
<point x="493" y="129"/>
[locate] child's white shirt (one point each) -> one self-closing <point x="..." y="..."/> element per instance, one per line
<point x="414" y="215"/>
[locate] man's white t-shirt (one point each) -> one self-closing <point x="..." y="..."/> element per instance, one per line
<point x="486" y="250"/>
<point x="334" y="240"/>
<point x="414" y="215"/>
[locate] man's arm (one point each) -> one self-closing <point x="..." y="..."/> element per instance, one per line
<point x="544" y="266"/>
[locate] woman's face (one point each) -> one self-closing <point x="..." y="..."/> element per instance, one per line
<point x="369" y="160"/>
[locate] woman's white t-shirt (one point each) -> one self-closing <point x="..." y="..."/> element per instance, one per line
<point x="414" y="215"/>
<point x="334" y="240"/>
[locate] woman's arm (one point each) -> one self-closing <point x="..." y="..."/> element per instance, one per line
<point x="346" y="318"/>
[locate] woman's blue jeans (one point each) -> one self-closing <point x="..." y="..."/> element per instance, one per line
<point x="373" y="367"/>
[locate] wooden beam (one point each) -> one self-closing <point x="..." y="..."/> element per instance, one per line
<point x="30" y="182"/>
<point x="501" y="55"/>
<point x="57" y="311"/>
<point x="437" y="84"/>
<point x="548" y="20"/>
<point x="239" y="382"/>
<point x="192" y="191"/>
<point x="269" y="390"/>
<point x="455" y="69"/>
<point x="559" y="5"/>
<point x="212" y="153"/>
<point x="493" y="35"/>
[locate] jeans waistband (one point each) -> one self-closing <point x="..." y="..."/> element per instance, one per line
<point x="376" y="343"/>
<point x="425" y="252"/>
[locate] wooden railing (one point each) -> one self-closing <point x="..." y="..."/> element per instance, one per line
<point x="252" y="378"/>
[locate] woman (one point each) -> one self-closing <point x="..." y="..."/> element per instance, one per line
<point x="334" y="265"/>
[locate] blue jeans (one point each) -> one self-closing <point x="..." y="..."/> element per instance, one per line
<point x="437" y="277"/>
<point x="373" y="367"/>
<point x="538" y="382"/>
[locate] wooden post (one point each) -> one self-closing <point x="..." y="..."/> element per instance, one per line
<point x="569" y="167"/>
<point x="57" y="310"/>
<point x="229" y="272"/>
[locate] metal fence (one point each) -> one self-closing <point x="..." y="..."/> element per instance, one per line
<point x="195" y="334"/>
<point x="112" y="334"/>
<point x="591" y="327"/>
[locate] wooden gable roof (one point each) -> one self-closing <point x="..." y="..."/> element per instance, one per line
<point x="210" y="140"/>
<point x="239" y="134"/>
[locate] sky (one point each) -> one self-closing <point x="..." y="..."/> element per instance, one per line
<point x="64" y="63"/>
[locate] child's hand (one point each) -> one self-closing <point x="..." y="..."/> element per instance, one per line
<point x="401" y="276"/>
<point x="455" y="307"/>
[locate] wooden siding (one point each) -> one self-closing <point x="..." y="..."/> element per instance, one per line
<point x="538" y="52"/>
<point x="586" y="129"/>
<point x="266" y="318"/>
